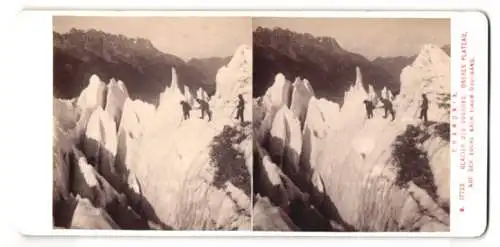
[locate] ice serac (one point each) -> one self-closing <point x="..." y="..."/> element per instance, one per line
<point x="116" y="95"/>
<point x="93" y="95"/>
<point x="262" y="121"/>
<point x="276" y="96"/>
<point x="286" y="140"/>
<point x="172" y="89"/>
<point x="136" y="118"/>
<point x="330" y="112"/>
<point x="322" y="115"/>
<point x="174" y="84"/>
<point x="122" y="86"/>
<point x="232" y="80"/>
<point x="145" y="113"/>
<point x="236" y="75"/>
<point x="356" y="90"/>
<point x="100" y="144"/>
<point x="169" y="111"/>
<point x="429" y="74"/>
<point x="302" y="93"/>
<point x="353" y="108"/>
<point x="279" y="93"/>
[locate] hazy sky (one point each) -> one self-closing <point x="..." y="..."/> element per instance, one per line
<point x="370" y="37"/>
<point x="185" y="37"/>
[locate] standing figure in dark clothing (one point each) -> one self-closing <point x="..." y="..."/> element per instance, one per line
<point x="369" y="108"/>
<point x="205" y="108"/>
<point x="240" y="108"/>
<point x="185" y="109"/>
<point x="424" y="107"/>
<point x="388" y="107"/>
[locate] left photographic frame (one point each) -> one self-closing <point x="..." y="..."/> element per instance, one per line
<point x="152" y="122"/>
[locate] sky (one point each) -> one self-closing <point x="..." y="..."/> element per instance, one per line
<point x="185" y="37"/>
<point x="370" y="37"/>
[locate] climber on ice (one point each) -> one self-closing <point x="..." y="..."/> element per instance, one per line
<point x="424" y="107"/>
<point x="240" y="108"/>
<point x="369" y="108"/>
<point x="388" y="107"/>
<point x="205" y="108"/>
<point x="185" y="109"/>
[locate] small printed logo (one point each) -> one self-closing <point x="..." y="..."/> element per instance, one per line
<point x="461" y="209"/>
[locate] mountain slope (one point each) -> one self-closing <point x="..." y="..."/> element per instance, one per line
<point x="209" y="66"/>
<point x="144" y="69"/>
<point x="329" y="68"/>
<point x="394" y="65"/>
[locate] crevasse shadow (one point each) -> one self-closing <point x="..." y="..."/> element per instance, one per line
<point x="126" y="214"/>
<point x="314" y="214"/>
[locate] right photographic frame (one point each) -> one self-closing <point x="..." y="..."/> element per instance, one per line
<point x="351" y="121"/>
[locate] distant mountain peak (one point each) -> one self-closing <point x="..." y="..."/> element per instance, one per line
<point x="325" y="42"/>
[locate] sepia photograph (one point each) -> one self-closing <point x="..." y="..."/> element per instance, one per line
<point x="152" y="123"/>
<point x="351" y="121"/>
